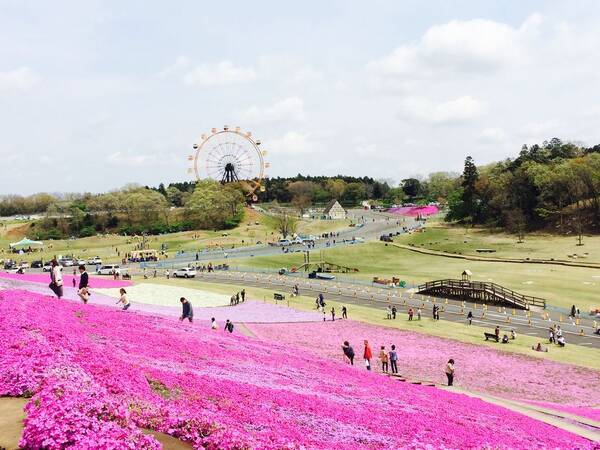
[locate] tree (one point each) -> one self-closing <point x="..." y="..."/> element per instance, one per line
<point x="286" y="224"/>
<point x="411" y="187"/>
<point x="395" y="196"/>
<point x="174" y="196"/>
<point x="335" y="187"/>
<point x="213" y="206"/>
<point x="469" y="180"/>
<point x="353" y="194"/>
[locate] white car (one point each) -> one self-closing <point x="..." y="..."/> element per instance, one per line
<point x="96" y="261"/>
<point x="24" y="265"/>
<point x="81" y="262"/>
<point x="108" y="269"/>
<point x="47" y="267"/>
<point x="185" y="272"/>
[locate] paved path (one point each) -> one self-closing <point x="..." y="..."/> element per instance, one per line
<point x="582" y="426"/>
<point x="535" y="325"/>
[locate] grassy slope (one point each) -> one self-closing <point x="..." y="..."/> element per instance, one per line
<point x="571" y="354"/>
<point x="247" y="233"/>
<point x="456" y="239"/>
<point x="561" y="286"/>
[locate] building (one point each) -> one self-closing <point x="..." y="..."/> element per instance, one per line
<point x="334" y="210"/>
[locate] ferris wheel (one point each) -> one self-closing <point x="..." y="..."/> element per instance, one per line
<point x="230" y="156"/>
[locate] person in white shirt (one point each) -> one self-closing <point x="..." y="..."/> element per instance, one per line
<point x="213" y="324"/>
<point x="56" y="281"/>
<point x="123" y="299"/>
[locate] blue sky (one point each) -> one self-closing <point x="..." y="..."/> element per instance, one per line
<point x="98" y="94"/>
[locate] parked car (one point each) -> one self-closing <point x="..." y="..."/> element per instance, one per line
<point x="283" y="242"/>
<point x="47" y="267"/>
<point x="108" y="269"/>
<point x="24" y="265"/>
<point x="36" y="265"/>
<point x="96" y="261"/>
<point x="81" y="262"/>
<point x="66" y="262"/>
<point x="185" y="272"/>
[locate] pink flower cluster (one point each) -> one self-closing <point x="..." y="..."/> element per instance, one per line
<point x="414" y="211"/>
<point x="96" y="376"/>
<point x="95" y="282"/>
<point x="423" y="357"/>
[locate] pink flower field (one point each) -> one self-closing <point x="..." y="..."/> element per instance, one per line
<point x="423" y="357"/>
<point x="95" y="376"/>
<point x="95" y="282"/>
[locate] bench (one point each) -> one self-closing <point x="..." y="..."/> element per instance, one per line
<point x="491" y="336"/>
<point x="277" y="296"/>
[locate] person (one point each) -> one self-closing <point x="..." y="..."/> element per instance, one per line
<point x="123" y="299"/>
<point x="243" y="294"/>
<point x="497" y="332"/>
<point x="368" y="355"/>
<point x="559" y="333"/>
<point x="539" y="348"/>
<point x="317" y="303"/>
<point x="394" y="311"/>
<point x="470" y="317"/>
<point x="383" y="358"/>
<point x="187" y="312"/>
<point x="410" y="313"/>
<point x="433" y="311"/>
<point x="145" y="275"/>
<point x="229" y="326"/>
<point x="332" y="314"/>
<point x="296" y="290"/>
<point x="56" y="281"/>
<point x="573" y="311"/>
<point x="505" y="339"/>
<point x="450" y="371"/>
<point x="213" y="324"/>
<point x="551" y="335"/>
<point x="393" y="358"/>
<point x="561" y="341"/>
<point x="167" y="274"/>
<point x="389" y="312"/>
<point x="348" y="352"/>
<point x="83" y="284"/>
<point x="237" y="298"/>
<point x="74" y="280"/>
<point x="419" y="314"/>
<point x="154" y="274"/>
<point x="232" y="300"/>
<point x="513" y="335"/>
<point x="344" y="312"/>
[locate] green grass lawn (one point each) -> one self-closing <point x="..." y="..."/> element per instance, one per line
<point x="572" y="354"/>
<point x="254" y="228"/>
<point x="559" y="285"/>
<point x="454" y="239"/>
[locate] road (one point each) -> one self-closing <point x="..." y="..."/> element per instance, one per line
<point x="535" y="325"/>
<point x="375" y="224"/>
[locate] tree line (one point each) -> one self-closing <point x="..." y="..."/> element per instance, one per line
<point x="555" y="185"/>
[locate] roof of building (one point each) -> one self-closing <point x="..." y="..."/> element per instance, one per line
<point x="330" y="205"/>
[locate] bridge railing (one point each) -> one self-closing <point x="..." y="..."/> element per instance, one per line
<point x="494" y="288"/>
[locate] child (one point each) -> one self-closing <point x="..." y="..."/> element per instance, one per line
<point x="124" y="299"/>
<point x="383" y="357"/>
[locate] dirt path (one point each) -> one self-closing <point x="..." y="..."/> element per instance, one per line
<point x="11" y="427"/>
<point x="11" y="421"/>
<point x="426" y="251"/>
<point x="566" y="421"/>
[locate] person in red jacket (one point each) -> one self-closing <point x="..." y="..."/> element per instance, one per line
<point x="368" y="355"/>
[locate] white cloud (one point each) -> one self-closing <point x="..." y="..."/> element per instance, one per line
<point x="220" y="74"/>
<point x="465" y="47"/>
<point x="180" y="64"/>
<point x="492" y="135"/>
<point x="293" y="143"/>
<point x="128" y="159"/>
<point x="291" y="108"/>
<point x="22" y="79"/>
<point x="459" y="110"/>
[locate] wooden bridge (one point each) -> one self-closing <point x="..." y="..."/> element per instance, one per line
<point x="480" y="291"/>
